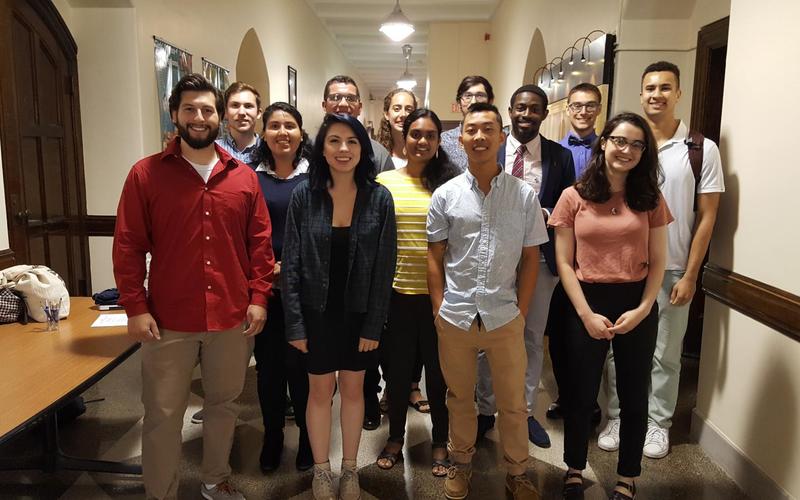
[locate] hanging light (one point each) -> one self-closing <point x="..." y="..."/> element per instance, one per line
<point x="407" y="80"/>
<point x="397" y="26"/>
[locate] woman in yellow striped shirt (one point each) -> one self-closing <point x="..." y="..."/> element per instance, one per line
<point x="410" y="325"/>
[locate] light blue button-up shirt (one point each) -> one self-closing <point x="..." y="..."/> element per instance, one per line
<point x="485" y="235"/>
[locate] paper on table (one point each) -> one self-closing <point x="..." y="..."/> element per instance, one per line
<point x="110" y="320"/>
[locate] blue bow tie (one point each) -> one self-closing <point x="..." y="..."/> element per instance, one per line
<point x="574" y="141"/>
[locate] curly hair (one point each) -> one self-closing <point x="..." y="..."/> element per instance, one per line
<point x="642" y="183"/>
<point x="303" y="150"/>
<point x="385" y="130"/>
<point x="439" y="169"/>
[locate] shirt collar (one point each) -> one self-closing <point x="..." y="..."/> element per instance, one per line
<point x="591" y="136"/>
<point x="531" y="146"/>
<point x="228" y="139"/>
<point x="681" y="133"/>
<point x="301" y="168"/>
<point x="174" y="149"/>
<point x="474" y="182"/>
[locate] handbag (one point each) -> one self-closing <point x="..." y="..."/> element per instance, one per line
<point x="37" y="284"/>
<point x="12" y="306"/>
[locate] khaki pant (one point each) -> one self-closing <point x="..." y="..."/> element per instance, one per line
<point x="505" y="351"/>
<point x="167" y="366"/>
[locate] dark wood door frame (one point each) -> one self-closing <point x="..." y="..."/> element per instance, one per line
<point x="712" y="42"/>
<point x="10" y="137"/>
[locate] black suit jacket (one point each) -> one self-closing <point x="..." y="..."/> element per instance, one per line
<point x="558" y="173"/>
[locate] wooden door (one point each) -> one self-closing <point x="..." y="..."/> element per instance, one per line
<point x="42" y="153"/>
<point x="709" y="84"/>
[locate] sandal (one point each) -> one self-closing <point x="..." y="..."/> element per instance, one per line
<point x="618" y="495"/>
<point x="390" y="457"/>
<point x="422" y="406"/>
<point x="573" y="490"/>
<point x="440" y="466"/>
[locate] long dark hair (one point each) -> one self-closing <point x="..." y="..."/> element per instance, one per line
<point x="641" y="184"/>
<point x="385" y="132"/>
<point x="439" y="169"/>
<point x="319" y="171"/>
<point x="303" y="150"/>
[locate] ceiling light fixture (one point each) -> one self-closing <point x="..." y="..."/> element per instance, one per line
<point x="397" y="26"/>
<point x="407" y="80"/>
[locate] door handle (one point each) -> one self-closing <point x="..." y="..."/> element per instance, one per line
<point x="22" y="216"/>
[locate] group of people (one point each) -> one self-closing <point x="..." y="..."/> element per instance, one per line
<point x="449" y="253"/>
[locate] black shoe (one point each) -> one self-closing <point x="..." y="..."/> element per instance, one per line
<point x="289" y="409"/>
<point x="597" y="415"/>
<point x="556" y="411"/>
<point x="371" y="422"/>
<point x="305" y="459"/>
<point x="271" y="451"/>
<point x="618" y="495"/>
<point x="485" y="422"/>
<point x="536" y="434"/>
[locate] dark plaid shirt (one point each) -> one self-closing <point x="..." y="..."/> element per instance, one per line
<point x="307" y="252"/>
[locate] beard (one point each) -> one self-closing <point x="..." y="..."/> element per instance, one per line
<point x="197" y="143"/>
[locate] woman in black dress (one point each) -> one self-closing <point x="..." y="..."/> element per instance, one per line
<point x="338" y="265"/>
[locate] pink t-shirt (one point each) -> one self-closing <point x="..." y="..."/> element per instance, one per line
<point x="611" y="239"/>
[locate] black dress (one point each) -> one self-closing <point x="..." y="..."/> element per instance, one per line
<point x="333" y="335"/>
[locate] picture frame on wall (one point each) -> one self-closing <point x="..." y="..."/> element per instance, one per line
<point x="292" y="86"/>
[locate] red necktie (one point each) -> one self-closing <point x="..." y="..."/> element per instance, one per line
<point x="519" y="163"/>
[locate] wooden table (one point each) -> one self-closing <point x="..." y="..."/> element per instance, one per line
<point x="41" y="370"/>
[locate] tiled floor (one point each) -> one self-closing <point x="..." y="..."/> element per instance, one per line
<point x="110" y="429"/>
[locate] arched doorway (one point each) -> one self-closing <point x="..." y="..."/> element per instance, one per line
<point x="536" y="57"/>
<point x="251" y="67"/>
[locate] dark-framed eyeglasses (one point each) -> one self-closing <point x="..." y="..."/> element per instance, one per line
<point x="591" y="107"/>
<point x="478" y="96"/>
<point x="350" y="98"/>
<point x="622" y="142"/>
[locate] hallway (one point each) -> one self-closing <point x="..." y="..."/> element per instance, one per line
<point x="111" y="429"/>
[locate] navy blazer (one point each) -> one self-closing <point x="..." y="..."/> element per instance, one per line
<point x="558" y="173"/>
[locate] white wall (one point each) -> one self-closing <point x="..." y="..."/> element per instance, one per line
<point x="3" y="221"/>
<point x="749" y="388"/>
<point x="455" y="50"/>
<point x="118" y="87"/>
<point x="515" y="23"/>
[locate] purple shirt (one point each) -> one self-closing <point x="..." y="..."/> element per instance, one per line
<point x="580" y="153"/>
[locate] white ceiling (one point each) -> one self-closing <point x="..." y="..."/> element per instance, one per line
<point x="378" y="60"/>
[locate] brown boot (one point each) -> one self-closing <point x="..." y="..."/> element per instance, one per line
<point x="456" y="486"/>
<point x="521" y="488"/>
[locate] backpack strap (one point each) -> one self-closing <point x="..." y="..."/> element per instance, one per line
<point x="694" y="143"/>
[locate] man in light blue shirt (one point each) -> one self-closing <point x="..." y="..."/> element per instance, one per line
<point x="484" y="231"/>
<point x="242" y="113"/>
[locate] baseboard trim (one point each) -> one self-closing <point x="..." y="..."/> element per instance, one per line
<point x="747" y="475"/>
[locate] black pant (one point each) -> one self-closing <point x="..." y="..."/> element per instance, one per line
<point x="633" y="358"/>
<point x="279" y="364"/>
<point x="410" y="330"/>
<point x="556" y="344"/>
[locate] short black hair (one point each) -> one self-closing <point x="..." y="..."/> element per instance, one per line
<point x="471" y="81"/>
<point x="195" y="82"/>
<point x="303" y="150"/>
<point x="663" y="66"/>
<point x="479" y="107"/>
<point x="340" y="79"/>
<point x="529" y="88"/>
<point x="319" y="173"/>
<point x="586" y="87"/>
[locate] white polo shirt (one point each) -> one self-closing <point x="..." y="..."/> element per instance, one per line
<point x="679" y="191"/>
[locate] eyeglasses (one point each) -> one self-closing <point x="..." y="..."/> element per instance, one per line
<point x="478" y="96"/>
<point x="350" y="98"/>
<point x="591" y="107"/>
<point x="623" y="142"/>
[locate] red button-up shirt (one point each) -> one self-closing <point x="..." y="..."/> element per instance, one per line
<point x="210" y="242"/>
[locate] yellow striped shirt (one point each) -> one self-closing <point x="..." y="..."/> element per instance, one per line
<point x="411" y="202"/>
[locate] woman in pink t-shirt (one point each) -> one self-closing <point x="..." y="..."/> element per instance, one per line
<point x="611" y="244"/>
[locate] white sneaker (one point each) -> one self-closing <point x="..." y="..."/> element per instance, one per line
<point x="608" y="440"/>
<point x="222" y="491"/>
<point x="656" y="442"/>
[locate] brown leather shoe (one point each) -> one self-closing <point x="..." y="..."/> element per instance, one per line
<point x="521" y="488"/>
<point x="456" y="486"/>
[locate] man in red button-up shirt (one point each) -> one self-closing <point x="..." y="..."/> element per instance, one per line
<point x="202" y="217"/>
